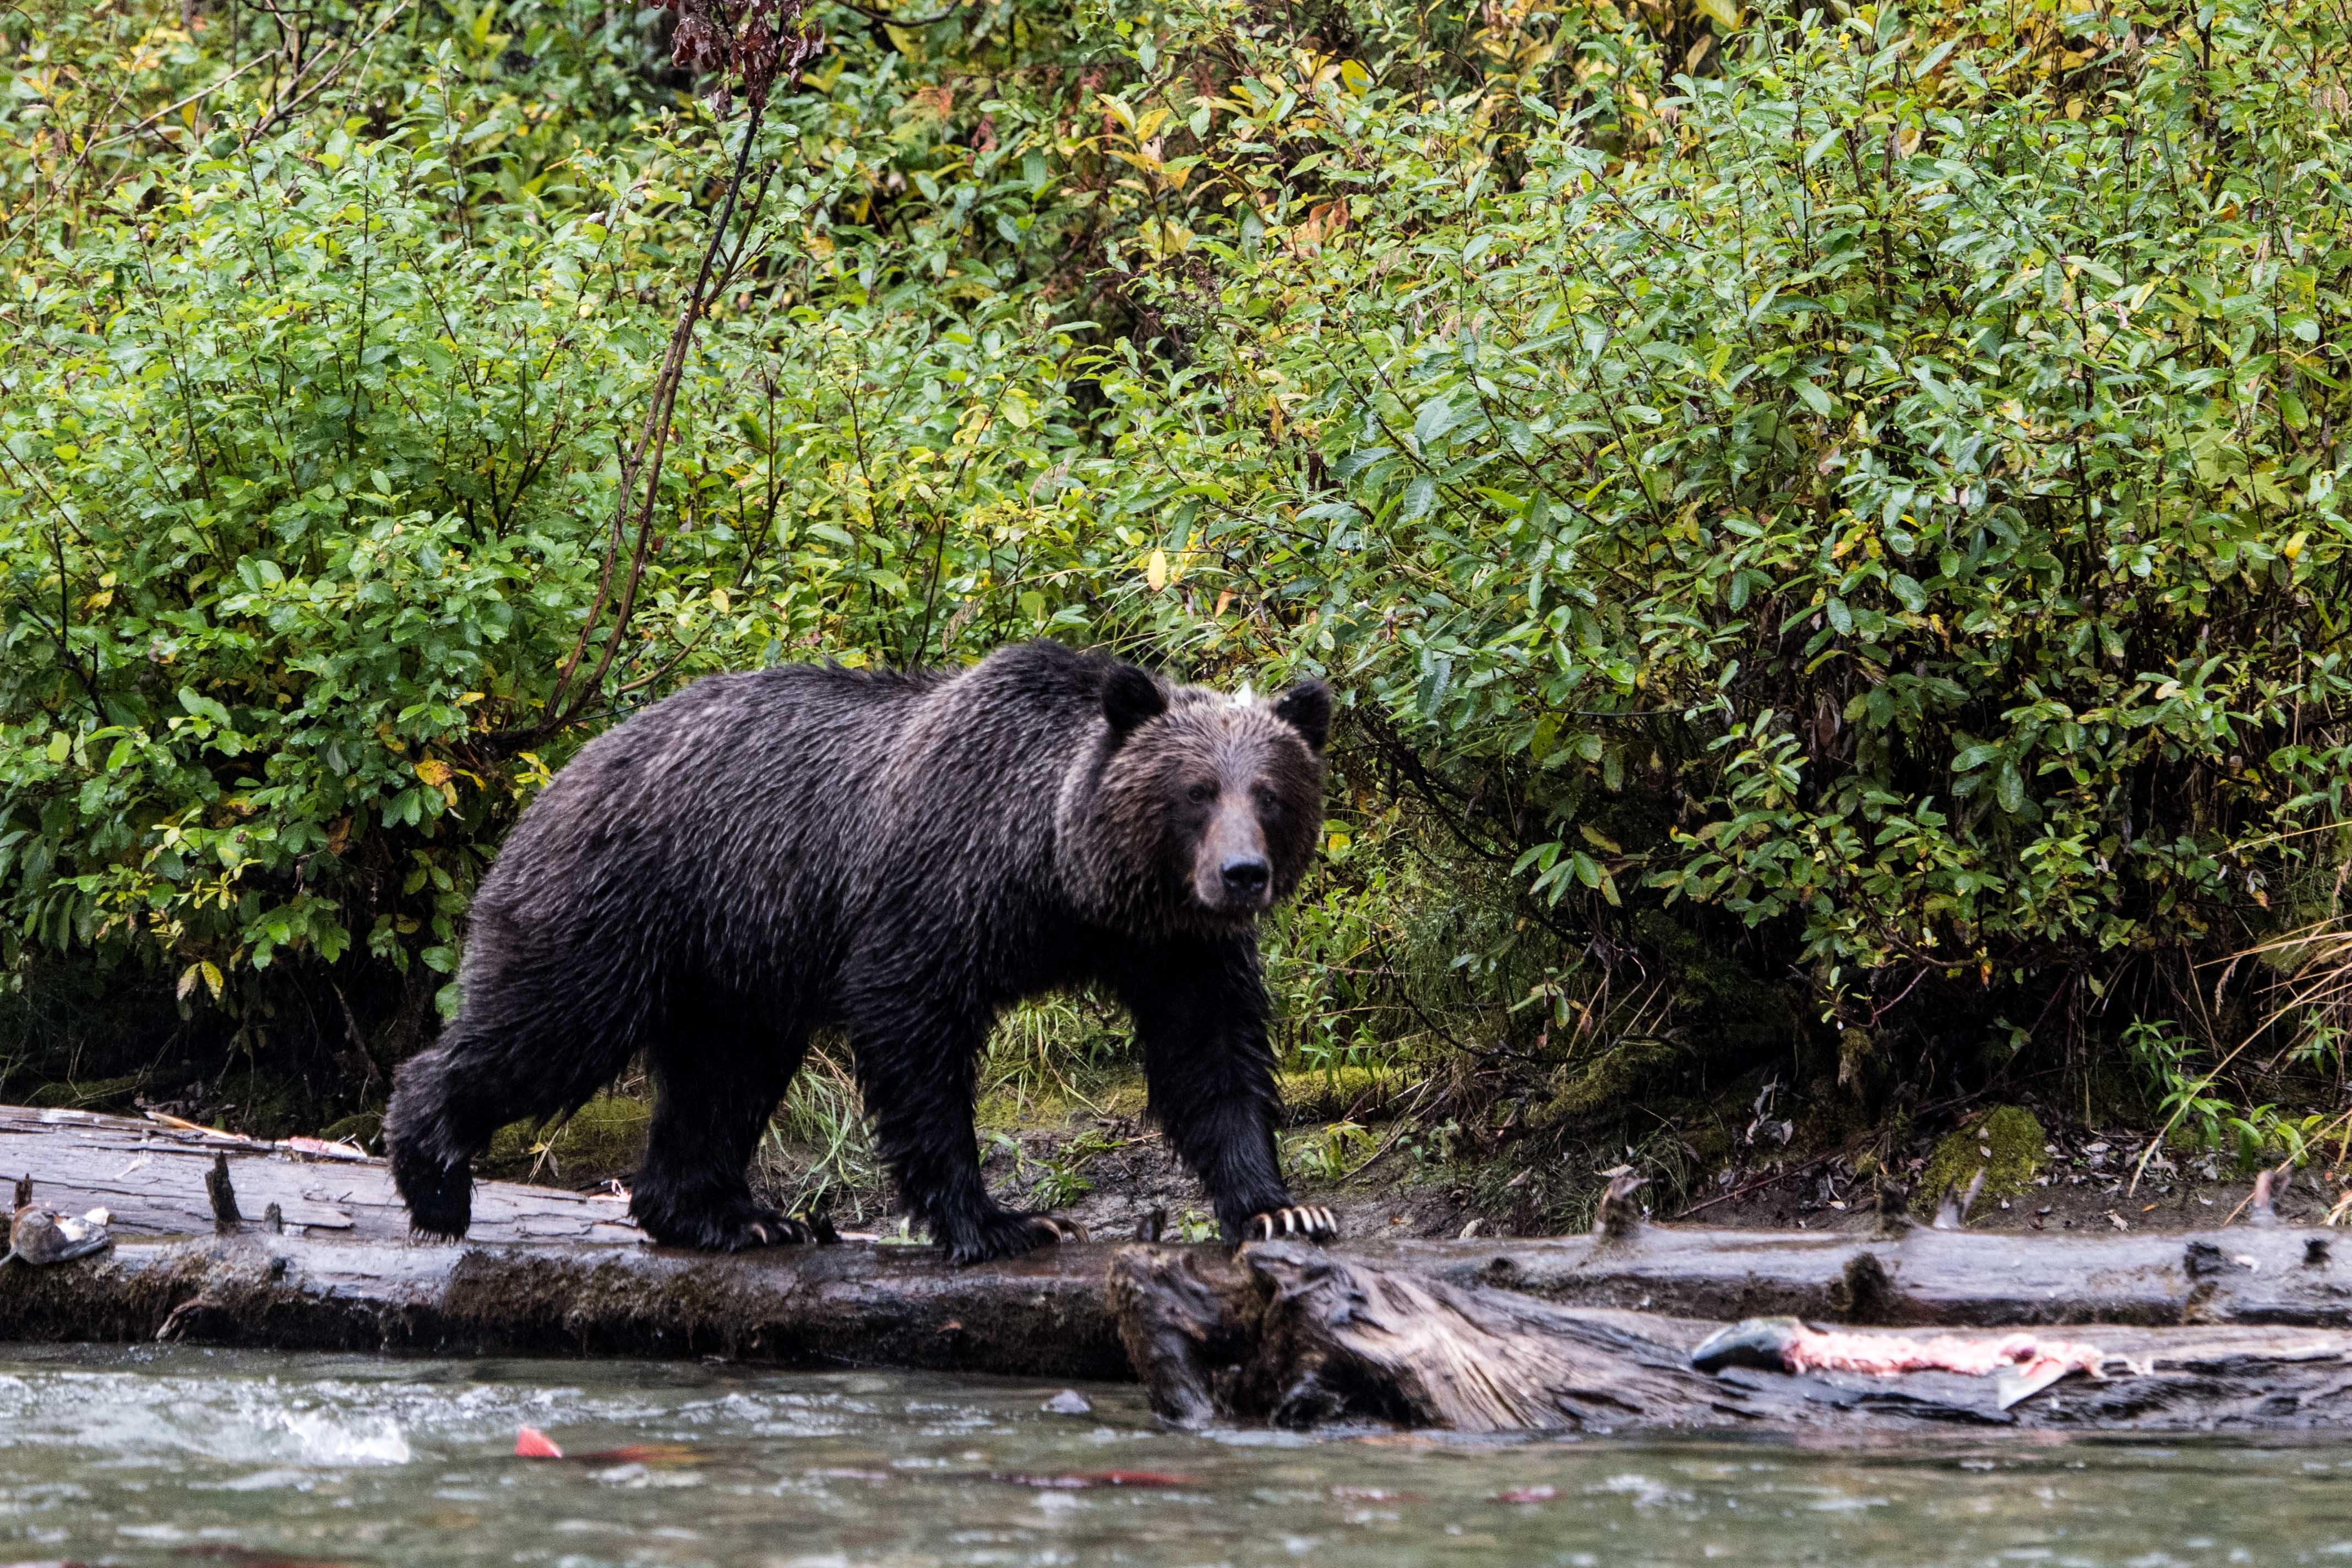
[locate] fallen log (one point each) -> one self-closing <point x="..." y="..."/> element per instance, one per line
<point x="566" y="1273"/>
<point x="1300" y="1337"/>
<point x="544" y="1271"/>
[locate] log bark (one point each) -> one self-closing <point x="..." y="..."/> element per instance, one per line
<point x="543" y="1272"/>
<point x="1299" y="1336"/>
<point x="1477" y="1333"/>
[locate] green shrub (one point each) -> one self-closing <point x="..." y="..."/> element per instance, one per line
<point x="1874" y="491"/>
<point x="1851" y="491"/>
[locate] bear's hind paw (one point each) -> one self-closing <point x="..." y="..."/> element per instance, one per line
<point x="1305" y="1221"/>
<point x="745" y="1228"/>
<point x="1013" y="1233"/>
<point x="803" y="1229"/>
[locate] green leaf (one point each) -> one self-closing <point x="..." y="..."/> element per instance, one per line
<point x="2009" y="787"/>
<point x="204" y="707"/>
<point x="1435" y="418"/>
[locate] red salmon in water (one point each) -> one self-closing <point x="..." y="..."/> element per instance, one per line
<point x="531" y="1443"/>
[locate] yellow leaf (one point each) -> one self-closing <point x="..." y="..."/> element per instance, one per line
<point x="433" y="772"/>
<point x="1722" y="13"/>
<point x="1155" y="571"/>
<point x="2293" y="550"/>
<point x="719" y="600"/>
<point x="188" y="978"/>
<point x="212" y="978"/>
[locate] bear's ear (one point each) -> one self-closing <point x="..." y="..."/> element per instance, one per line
<point x="1129" y="696"/>
<point x="1306" y="708"/>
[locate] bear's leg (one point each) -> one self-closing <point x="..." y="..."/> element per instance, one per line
<point x="914" y="1067"/>
<point x="495" y="1064"/>
<point x="710" y="1105"/>
<point x="1200" y="1010"/>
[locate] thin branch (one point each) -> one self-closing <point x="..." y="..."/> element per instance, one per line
<point x="297" y="95"/>
<point x="171" y="108"/>
<point x="889" y="21"/>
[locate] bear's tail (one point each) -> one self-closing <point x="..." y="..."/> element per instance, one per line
<point x="447" y="1101"/>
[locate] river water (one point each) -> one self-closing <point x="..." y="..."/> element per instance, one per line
<point x="175" y="1455"/>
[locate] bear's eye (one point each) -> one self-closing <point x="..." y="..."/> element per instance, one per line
<point x="1201" y="794"/>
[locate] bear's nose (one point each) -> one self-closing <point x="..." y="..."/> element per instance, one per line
<point x="1244" y="877"/>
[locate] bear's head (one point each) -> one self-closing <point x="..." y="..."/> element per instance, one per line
<point x="1201" y="810"/>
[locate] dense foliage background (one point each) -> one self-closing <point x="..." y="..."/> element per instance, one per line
<point x="1827" y="522"/>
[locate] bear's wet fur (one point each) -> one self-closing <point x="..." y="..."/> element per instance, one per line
<point x="903" y="856"/>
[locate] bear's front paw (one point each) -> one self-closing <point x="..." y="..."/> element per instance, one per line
<point x="1305" y="1221"/>
<point x="1010" y="1235"/>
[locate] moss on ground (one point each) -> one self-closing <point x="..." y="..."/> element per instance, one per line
<point x="2006" y="1143"/>
<point x="1016" y="1109"/>
<point x="1337" y="1093"/>
<point x="606" y="1138"/>
<point x="1622" y="1074"/>
<point x="91" y="1094"/>
<point x="365" y="1128"/>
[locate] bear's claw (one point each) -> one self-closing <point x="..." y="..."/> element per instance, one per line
<point x="742" y="1229"/>
<point x="1306" y="1221"/>
<point x="780" y="1230"/>
<point x="1010" y="1235"/>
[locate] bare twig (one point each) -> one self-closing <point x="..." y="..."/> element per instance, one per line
<point x="170" y="108"/>
<point x="754" y="45"/>
<point x="297" y="95"/>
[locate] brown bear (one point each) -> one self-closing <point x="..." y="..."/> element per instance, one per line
<point x="903" y="856"/>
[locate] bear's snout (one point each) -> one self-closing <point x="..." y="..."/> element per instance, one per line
<point x="1231" y="871"/>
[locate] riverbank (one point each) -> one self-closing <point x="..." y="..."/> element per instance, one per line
<point x="314" y="1253"/>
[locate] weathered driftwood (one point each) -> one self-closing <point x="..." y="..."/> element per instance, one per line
<point x="1918" y="1277"/>
<point x="548" y="1271"/>
<point x="1302" y="1337"/>
<point x="543" y="1271"/>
